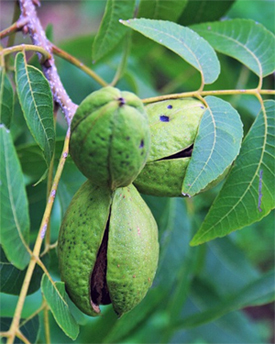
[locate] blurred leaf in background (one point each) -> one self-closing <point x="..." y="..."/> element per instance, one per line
<point x="200" y="294"/>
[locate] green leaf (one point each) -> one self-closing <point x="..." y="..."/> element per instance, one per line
<point x="255" y="293"/>
<point x="14" y="219"/>
<point x="217" y="144"/>
<point x="199" y="11"/>
<point x="183" y="41"/>
<point x="249" y="191"/>
<point x="110" y="31"/>
<point x="32" y="161"/>
<point x="161" y="9"/>
<point x="29" y="329"/>
<point x="11" y="279"/>
<point x="56" y="296"/>
<point x="243" y="39"/>
<point x="221" y="256"/>
<point x="36" y="100"/>
<point x="260" y="11"/>
<point x="79" y="47"/>
<point x="127" y="325"/>
<point x="6" y="99"/>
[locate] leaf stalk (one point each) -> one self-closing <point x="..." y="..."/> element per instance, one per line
<point x="199" y="94"/>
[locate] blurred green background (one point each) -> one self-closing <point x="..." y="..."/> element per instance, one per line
<point x="200" y="293"/>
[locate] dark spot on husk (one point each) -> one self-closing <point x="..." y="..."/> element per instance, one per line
<point x="121" y="101"/>
<point x="141" y="144"/>
<point x="164" y="118"/>
<point x="126" y="163"/>
<point x="169" y="106"/>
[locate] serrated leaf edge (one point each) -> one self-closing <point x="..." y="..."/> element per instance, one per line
<point x="196" y="241"/>
<point x="27" y="68"/>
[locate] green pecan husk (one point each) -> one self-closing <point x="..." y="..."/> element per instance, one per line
<point x="173" y="124"/>
<point x="110" y="137"/>
<point x="108" y="248"/>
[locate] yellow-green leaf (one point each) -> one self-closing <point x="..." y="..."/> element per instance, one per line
<point x="14" y="219"/>
<point x="249" y="191"/>
<point x="186" y="43"/>
<point x="36" y="100"/>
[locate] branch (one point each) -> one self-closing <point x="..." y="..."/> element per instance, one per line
<point x="17" y="26"/>
<point x="37" y="247"/>
<point x="34" y="28"/>
<point x="63" y="54"/>
<point x="27" y="47"/>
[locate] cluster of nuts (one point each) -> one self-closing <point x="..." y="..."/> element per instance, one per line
<point x="108" y="242"/>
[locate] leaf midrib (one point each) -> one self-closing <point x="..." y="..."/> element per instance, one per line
<point x="250" y="183"/>
<point x="36" y="107"/>
<point x="238" y="43"/>
<point x="211" y="153"/>
<point x="11" y="198"/>
<point x="180" y="42"/>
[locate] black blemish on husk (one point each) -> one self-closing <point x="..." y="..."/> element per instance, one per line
<point x="164" y="118"/>
<point x="169" y="106"/>
<point x="121" y="101"/>
<point x="141" y="144"/>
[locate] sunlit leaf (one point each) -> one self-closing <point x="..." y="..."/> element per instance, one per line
<point x="216" y="146"/>
<point x="14" y="219"/>
<point x="245" y="40"/>
<point x="110" y="31"/>
<point x="161" y="9"/>
<point x="183" y="41"/>
<point x="36" y="100"/>
<point x="6" y="99"/>
<point x="249" y="191"/>
<point x="55" y="296"/>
